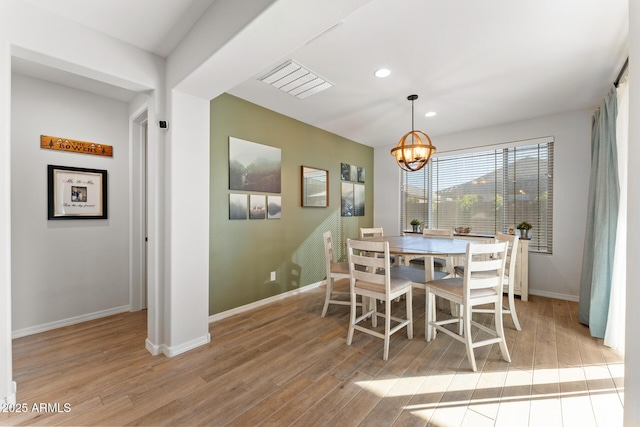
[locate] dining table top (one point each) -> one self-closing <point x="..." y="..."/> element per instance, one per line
<point x="421" y="245"/>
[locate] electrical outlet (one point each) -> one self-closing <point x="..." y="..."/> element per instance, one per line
<point x="273" y="276"/>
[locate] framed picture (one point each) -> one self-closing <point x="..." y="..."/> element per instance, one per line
<point x="315" y="187"/>
<point x="76" y="193"/>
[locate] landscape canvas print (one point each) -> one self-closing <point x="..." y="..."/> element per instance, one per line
<point x="274" y="207"/>
<point x="257" y="206"/>
<point x="254" y="167"/>
<point x="237" y="206"/>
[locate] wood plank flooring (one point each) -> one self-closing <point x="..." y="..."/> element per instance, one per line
<point x="284" y="365"/>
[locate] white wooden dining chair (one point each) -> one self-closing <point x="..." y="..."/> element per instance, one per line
<point x="439" y="264"/>
<point x="376" y="286"/>
<point x="480" y="284"/>
<point x="508" y="281"/>
<point x="375" y="232"/>
<point x="371" y="232"/>
<point x="337" y="273"/>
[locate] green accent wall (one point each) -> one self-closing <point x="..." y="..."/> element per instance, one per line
<point x="243" y="253"/>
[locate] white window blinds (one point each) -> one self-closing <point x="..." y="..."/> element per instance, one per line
<point x="489" y="191"/>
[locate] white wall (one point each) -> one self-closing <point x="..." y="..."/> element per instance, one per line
<point x="632" y="341"/>
<point x="556" y="275"/>
<point x="66" y="269"/>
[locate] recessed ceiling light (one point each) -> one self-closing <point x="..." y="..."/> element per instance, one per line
<point x="430" y="114"/>
<point x="382" y="72"/>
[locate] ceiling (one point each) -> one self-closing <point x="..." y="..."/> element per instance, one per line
<point x="476" y="64"/>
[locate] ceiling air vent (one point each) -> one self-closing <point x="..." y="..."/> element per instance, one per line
<point x="295" y="80"/>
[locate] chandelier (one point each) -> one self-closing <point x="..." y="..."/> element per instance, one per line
<point x="414" y="155"/>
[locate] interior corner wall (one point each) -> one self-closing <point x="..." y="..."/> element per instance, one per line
<point x="556" y="275"/>
<point x="65" y="271"/>
<point x="244" y="252"/>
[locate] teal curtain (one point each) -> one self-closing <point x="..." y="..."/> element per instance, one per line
<point x="602" y="220"/>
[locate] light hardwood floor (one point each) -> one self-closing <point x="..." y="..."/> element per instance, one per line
<point x="283" y="365"/>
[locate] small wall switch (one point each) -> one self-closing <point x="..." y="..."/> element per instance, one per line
<point x="273" y="276"/>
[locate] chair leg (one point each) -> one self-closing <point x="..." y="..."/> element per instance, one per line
<point x="409" y="303"/>
<point x="467" y="337"/>
<point x="429" y="305"/>
<point x="500" y="332"/>
<point x="352" y="317"/>
<point x="373" y="305"/>
<point x="387" y="328"/>
<point x="328" y="296"/>
<point x="512" y="309"/>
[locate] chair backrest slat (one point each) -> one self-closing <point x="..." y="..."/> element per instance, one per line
<point x="371" y="232"/>
<point x="376" y="269"/>
<point x="434" y="232"/>
<point x="485" y="263"/>
<point x="328" y="251"/>
<point x="512" y="253"/>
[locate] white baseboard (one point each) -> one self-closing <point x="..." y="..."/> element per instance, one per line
<point x="70" y="321"/>
<point x="154" y="349"/>
<point x="256" y="304"/>
<point x="554" y="295"/>
<point x="190" y="345"/>
<point x="11" y="398"/>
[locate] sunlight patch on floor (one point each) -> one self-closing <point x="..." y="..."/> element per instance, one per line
<point x="582" y="396"/>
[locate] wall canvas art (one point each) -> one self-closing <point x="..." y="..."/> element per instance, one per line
<point x="237" y="206"/>
<point x="347" y="199"/>
<point x="353" y="173"/>
<point x="358" y="200"/>
<point x="257" y="206"/>
<point x="254" y="167"/>
<point x="274" y="207"/>
<point x="361" y="174"/>
<point x="345" y="172"/>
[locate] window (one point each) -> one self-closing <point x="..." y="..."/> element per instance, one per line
<point x="488" y="190"/>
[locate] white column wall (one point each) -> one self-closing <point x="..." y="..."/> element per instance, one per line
<point x="7" y="392"/>
<point x="187" y="246"/>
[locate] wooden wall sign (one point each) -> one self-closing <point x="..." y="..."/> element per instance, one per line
<point x="64" y="144"/>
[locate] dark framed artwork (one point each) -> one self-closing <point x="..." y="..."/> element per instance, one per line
<point x="254" y="167"/>
<point x="76" y="193"/>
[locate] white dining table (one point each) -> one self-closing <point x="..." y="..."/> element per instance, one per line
<point x="428" y="247"/>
